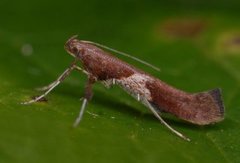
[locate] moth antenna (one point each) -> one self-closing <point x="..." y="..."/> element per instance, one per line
<point x="124" y="54"/>
<point x="72" y="38"/>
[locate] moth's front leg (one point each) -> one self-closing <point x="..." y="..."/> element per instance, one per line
<point x="50" y="87"/>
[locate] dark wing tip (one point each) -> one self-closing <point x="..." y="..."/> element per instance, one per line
<point x="217" y="96"/>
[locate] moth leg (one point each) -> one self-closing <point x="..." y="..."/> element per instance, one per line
<point x="109" y="83"/>
<point x="87" y="97"/>
<point x="44" y="88"/>
<point x="163" y="122"/>
<point x="138" y="97"/>
<point x="81" y="70"/>
<point x="50" y="87"/>
<point x="79" y="118"/>
<point x="113" y="81"/>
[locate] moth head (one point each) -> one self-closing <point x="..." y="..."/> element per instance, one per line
<point x="73" y="46"/>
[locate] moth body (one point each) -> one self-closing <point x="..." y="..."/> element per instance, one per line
<point x="197" y="108"/>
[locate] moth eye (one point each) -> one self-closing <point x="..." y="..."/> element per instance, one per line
<point x="75" y="50"/>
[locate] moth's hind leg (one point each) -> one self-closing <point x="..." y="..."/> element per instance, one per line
<point x="153" y="110"/>
<point x="87" y="97"/>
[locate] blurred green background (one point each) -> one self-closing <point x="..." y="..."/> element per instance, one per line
<point x="195" y="43"/>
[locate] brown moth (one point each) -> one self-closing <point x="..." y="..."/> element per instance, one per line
<point x="198" y="108"/>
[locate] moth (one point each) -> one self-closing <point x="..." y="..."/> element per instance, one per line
<point x="100" y="66"/>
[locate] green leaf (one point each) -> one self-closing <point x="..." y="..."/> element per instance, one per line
<point x="196" y="45"/>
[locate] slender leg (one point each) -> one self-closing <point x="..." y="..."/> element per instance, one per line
<point x="138" y="97"/>
<point x="113" y="81"/>
<point x="79" y="118"/>
<point x="87" y="97"/>
<point x="81" y="70"/>
<point x="50" y="87"/>
<point x="45" y="88"/>
<point x="109" y="83"/>
<point x="165" y="123"/>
